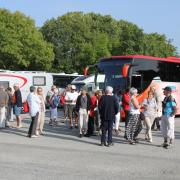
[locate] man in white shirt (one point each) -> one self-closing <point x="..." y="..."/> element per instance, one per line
<point x="34" y="108"/>
<point x="70" y="99"/>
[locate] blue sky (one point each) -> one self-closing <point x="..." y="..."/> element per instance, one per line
<point x="161" y="16"/>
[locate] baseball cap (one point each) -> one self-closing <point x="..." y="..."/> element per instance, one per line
<point x="167" y="88"/>
<point x="73" y="87"/>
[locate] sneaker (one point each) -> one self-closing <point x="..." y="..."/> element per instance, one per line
<point x="103" y="144"/>
<point x="87" y="135"/>
<point x="165" y="145"/>
<point x="171" y="143"/>
<point x="131" y="142"/>
<point x="80" y="135"/>
<point x="50" y="123"/>
<point x="110" y="144"/>
<point x="34" y="136"/>
<point x="136" y="140"/>
<point x="117" y="132"/>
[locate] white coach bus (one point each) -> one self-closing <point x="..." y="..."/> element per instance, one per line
<point x="89" y="82"/>
<point x="25" y="79"/>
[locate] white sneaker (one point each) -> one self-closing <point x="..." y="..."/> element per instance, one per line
<point x="34" y="136"/>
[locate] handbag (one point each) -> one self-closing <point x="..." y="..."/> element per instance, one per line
<point x="25" y="107"/>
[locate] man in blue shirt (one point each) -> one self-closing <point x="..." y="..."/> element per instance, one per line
<point x="167" y="121"/>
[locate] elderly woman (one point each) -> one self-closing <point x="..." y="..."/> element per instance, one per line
<point x="132" y="129"/>
<point x="54" y="102"/>
<point x="150" y="113"/>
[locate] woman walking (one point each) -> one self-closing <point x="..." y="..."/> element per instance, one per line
<point x="54" y="102"/>
<point x="42" y="111"/>
<point x="133" y="124"/>
<point x="83" y="105"/>
<point x="150" y="113"/>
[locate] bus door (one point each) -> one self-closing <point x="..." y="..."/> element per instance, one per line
<point x="137" y="82"/>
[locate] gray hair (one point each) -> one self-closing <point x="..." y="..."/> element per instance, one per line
<point x="109" y="90"/>
<point x="133" y="91"/>
<point x="16" y="85"/>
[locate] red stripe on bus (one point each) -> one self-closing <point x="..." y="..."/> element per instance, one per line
<point x="20" y="77"/>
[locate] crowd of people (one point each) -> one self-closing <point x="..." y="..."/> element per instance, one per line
<point x="97" y="114"/>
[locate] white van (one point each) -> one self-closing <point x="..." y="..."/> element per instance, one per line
<point x="89" y="82"/>
<point x="25" y="79"/>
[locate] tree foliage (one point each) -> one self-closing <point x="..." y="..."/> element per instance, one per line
<point x="72" y="41"/>
<point x="22" y="46"/>
<point x="81" y="39"/>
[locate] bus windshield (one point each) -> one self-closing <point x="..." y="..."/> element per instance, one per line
<point x="112" y="69"/>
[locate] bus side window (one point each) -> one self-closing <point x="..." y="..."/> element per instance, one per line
<point x="39" y="81"/>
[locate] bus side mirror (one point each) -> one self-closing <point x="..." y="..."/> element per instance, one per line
<point x="125" y="70"/>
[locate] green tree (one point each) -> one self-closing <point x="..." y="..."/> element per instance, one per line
<point x="130" y="39"/>
<point x="155" y="44"/>
<point x="22" y="46"/>
<point x="81" y="39"/>
<point x="78" y="40"/>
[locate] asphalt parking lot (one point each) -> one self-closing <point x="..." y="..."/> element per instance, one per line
<point x="61" y="154"/>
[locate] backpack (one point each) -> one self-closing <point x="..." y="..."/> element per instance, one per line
<point x="55" y="101"/>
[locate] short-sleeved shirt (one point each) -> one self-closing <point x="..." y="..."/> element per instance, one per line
<point x="151" y="107"/>
<point x="168" y="104"/>
<point x="71" y="96"/>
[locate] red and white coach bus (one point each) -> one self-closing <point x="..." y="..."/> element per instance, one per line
<point x="141" y="72"/>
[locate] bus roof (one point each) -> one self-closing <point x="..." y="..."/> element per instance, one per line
<point x="168" y="59"/>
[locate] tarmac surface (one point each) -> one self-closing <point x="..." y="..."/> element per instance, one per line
<point x="61" y="154"/>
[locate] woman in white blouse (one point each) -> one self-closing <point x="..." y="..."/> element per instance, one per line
<point x="150" y="113"/>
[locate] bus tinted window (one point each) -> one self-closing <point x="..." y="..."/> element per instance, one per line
<point x="62" y="81"/>
<point x="143" y="72"/>
<point x="112" y="69"/>
<point x="169" y="71"/>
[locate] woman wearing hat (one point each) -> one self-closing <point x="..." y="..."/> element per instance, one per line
<point x="70" y="99"/>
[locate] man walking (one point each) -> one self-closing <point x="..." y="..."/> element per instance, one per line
<point x="167" y="120"/>
<point x="108" y="108"/>
<point x="17" y="103"/>
<point x="34" y="108"/>
<point x="3" y="103"/>
<point x="70" y="99"/>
